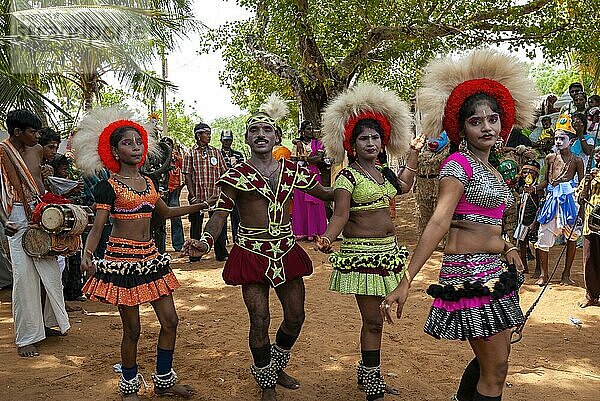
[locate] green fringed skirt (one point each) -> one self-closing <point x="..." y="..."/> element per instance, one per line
<point x="368" y="266"/>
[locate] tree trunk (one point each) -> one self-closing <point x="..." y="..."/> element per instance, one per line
<point x="312" y="101"/>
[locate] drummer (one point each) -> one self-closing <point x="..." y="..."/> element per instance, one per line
<point x="22" y="178"/>
<point x="590" y="191"/>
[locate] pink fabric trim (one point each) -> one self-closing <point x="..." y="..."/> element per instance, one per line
<point x="462" y="160"/>
<point x="465" y="303"/>
<point x="464" y="207"/>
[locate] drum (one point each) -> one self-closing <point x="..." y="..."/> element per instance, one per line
<point x="38" y="243"/>
<point x="594" y="220"/>
<point x="66" y="219"/>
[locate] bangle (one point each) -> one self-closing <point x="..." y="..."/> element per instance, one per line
<point x="326" y="239"/>
<point x="207" y="239"/>
<point x="512" y="248"/>
<point x="408" y="277"/>
<point x="414" y="170"/>
<point x="89" y="252"/>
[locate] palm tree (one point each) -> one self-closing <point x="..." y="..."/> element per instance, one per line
<point x="55" y="45"/>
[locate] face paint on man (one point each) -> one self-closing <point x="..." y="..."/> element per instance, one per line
<point x="561" y="140"/>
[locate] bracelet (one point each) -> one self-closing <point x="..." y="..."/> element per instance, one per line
<point x="89" y="252"/>
<point x="414" y="170"/>
<point x="326" y="239"/>
<point x="512" y="248"/>
<point x="207" y="239"/>
<point x="408" y="277"/>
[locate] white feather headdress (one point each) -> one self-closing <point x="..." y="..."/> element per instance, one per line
<point x="86" y="139"/>
<point x="273" y="110"/>
<point x="363" y="101"/>
<point x="443" y="76"/>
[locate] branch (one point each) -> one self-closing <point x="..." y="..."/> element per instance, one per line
<point x="377" y="35"/>
<point x="312" y="57"/>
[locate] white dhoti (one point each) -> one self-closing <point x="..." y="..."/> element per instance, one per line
<point x="30" y="320"/>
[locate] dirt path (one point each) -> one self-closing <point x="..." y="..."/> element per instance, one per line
<point x="555" y="360"/>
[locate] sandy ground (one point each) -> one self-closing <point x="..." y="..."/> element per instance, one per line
<point x="555" y="360"/>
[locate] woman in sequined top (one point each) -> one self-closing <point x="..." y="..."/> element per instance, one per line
<point x="476" y="298"/>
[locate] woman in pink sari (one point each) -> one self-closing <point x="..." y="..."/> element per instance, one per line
<point x="308" y="214"/>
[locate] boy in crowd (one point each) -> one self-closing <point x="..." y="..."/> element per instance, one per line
<point x="21" y="182"/>
<point x="558" y="214"/>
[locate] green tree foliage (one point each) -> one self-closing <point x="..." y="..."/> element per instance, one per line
<point x="311" y="50"/>
<point x="550" y="79"/>
<point x="180" y="123"/>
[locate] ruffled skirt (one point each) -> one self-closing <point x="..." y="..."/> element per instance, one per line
<point x="477" y="297"/>
<point x="368" y="266"/>
<point x="131" y="273"/>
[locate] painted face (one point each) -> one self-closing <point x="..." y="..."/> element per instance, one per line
<point x="50" y="150"/>
<point x="367" y="144"/>
<point x="482" y="129"/>
<point x="261" y="138"/>
<point x="508" y="168"/>
<point x="29" y="136"/>
<point x="130" y="149"/>
<point x="437" y="144"/>
<point x="561" y="140"/>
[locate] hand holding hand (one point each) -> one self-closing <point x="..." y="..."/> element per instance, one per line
<point x="323" y="244"/>
<point x="398" y="296"/>
<point x="194" y="248"/>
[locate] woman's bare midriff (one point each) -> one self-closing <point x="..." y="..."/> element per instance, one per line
<point x="369" y="224"/>
<point x="470" y="237"/>
<point x="135" y="230"/>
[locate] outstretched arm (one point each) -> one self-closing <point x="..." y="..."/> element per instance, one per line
<point x="194" y="247"/>
<point x="321" y="192"/>
<point x="451" y="189"/>
<point x="170" y="212"/>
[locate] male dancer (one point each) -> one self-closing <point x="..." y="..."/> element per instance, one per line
<point x="559" y="212"/>
<point x="21" y="184"/>
<point x="266" y="254"/>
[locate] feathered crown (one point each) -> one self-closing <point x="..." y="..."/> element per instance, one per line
<point x="448" y="83"/>
<point x="91" y="142"/>
<point x="361" y="102"/>
<point x="273" y="110"/>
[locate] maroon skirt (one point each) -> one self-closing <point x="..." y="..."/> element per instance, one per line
<point x="245" y="267"/>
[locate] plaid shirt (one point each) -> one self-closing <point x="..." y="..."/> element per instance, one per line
<point x="206" y="167"/>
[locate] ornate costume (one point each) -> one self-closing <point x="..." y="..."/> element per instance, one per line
<point x="367" y="266"/>
<point x="131" y="272"/>
<point x="267" y="254"/>
<point x="477" y="294"/>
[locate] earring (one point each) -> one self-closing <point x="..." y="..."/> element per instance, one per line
<point x="462" y="147"/>
<point x="116" y="157"/>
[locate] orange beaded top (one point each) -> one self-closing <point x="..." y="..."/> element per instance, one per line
<point x="124" y="202"/>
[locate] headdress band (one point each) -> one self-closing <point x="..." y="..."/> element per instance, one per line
<point x="466" y="89"/>
<point x="366" y="115"/>
<point x="104" y="148"/>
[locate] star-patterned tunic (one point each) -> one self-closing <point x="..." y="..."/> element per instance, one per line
<point x="276" y="258"/>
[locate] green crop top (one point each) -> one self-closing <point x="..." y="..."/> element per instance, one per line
<point x="366" y="193"/>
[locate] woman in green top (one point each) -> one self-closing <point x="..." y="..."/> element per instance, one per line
<point x="370" y="263"/>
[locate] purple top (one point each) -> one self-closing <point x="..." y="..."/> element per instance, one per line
<point x="485" y="197"/>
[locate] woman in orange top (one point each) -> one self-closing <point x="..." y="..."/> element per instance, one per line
<point x="132" y="271"/>
<point x="280" y="151"/>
